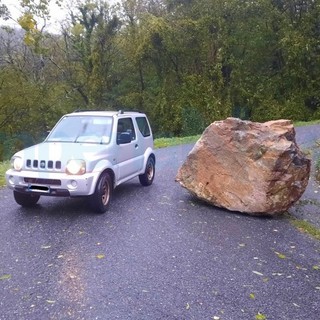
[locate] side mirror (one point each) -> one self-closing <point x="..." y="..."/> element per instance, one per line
<point x="124" y="137"/>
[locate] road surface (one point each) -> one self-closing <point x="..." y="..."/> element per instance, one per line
<point x="158" y="253"/>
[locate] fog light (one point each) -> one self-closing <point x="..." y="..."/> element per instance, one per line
<point x="11" y="180"/>
<point x="74" y="183"/>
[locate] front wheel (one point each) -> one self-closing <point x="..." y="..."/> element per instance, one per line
<point x="25" y="200"/>
<point x="147" y="177"/>
<point x="100" y="200"/>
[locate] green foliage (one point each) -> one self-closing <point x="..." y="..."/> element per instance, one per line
<point x="89" y="61"/>
<point x="184" y="63"/>
<point x="4" y="166"/>
<point x="168" y="142"/>
<point x="13" y="143"/>
<point x="192" y="122"/>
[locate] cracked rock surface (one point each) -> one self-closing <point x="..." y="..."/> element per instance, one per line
<point x="249" y="167"/>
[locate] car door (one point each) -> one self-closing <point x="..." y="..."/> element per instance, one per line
<point x="130" y="153"/>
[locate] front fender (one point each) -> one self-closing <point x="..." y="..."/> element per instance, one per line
<point x="100" y="167"/>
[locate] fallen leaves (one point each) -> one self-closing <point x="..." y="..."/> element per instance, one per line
<point x="260" y="316"/>
<point x="252" y="296"/>
<point x="5" y="277"/>
<point x="280" y="255"/>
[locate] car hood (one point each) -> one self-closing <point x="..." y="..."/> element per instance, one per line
<point x="63" y="151"/>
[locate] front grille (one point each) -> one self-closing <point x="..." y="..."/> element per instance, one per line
<point x="51" y="182"/>
<point x="43" y="164"/>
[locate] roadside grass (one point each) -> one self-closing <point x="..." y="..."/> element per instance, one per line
<point x="4" y="166"/>
<point x="168" y="142"/>
<point x="305" y="123"/>
<point x="306" y="227"/>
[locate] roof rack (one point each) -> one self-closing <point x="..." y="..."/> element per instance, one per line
<point x="121" y="111"/>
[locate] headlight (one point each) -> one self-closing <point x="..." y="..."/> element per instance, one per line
<point x="17" y="163"/>
<point x="76" y="167"/>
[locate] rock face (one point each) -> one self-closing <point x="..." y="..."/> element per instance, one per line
<point x="256" y="168"/>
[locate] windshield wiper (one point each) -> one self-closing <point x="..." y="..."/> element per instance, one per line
<point x="81" y="132"/>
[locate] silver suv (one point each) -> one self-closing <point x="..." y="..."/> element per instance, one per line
<point x="86" y="154"/>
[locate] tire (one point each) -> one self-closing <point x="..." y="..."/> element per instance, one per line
<point x="146" y="179"/>
<point x="100" y="200"/>
<point x="25" y="200"/>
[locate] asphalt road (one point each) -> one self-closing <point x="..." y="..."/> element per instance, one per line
<point x="157" y="254"/>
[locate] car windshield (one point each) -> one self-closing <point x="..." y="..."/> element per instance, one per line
<point x="88" y="129"/>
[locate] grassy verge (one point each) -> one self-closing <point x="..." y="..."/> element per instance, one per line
<point x="306" y="227"/>
<point x="303" y="123"/>
<point x="167" y="142"/>
<point x="4" y="166"/>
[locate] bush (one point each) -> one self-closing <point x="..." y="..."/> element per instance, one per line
<point x="12" y="144"/>
<point x="192" y="122"/>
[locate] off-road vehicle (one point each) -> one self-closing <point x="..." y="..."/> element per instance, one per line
<point x="87" y="153"/>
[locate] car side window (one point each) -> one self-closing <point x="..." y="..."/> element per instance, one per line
<point x="143" y="126"/>
<point x="126" y="125"/>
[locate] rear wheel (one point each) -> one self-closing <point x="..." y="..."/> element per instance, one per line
<point x="100" y="200"/>
<point x="146" y="179"/>
<point x="26" y="200"/>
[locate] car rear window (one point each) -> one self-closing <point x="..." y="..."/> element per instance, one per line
<point x="143" y="126"/>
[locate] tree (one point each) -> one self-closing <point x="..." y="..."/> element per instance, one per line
<point x="90" y="52"/>
<point x="184" y="62"/>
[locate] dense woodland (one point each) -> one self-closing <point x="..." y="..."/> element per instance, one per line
<point x="186" y="63"/>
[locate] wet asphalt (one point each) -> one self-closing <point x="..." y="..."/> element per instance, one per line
<point x="158" y="253"/>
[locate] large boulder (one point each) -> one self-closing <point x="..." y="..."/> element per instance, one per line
<point x="256" y="168"/>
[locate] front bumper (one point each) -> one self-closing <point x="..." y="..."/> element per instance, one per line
<point x="51" y="184"/>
